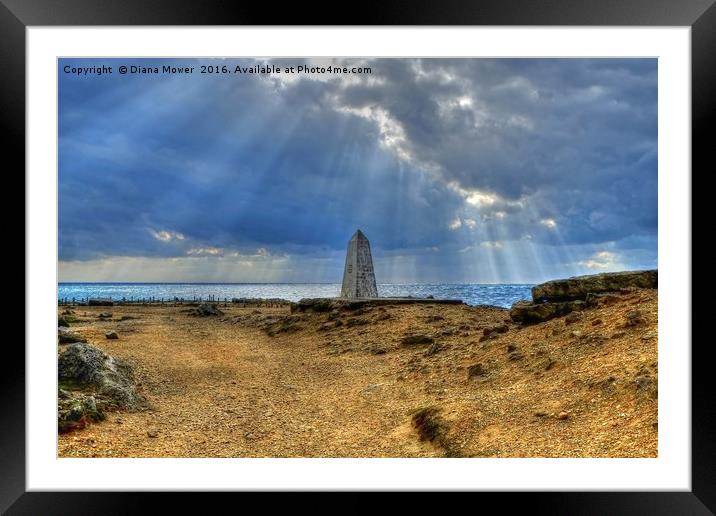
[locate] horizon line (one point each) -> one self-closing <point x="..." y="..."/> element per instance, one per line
<point x="275" y="283"/>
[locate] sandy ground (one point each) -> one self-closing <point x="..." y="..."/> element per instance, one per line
<point x="222" y="387"/>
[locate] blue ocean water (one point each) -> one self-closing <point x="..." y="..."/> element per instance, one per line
<point x="473" y="294"/>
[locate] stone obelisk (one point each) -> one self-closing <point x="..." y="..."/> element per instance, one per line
<point x="358" y="275"/>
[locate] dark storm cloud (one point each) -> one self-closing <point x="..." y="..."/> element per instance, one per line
<point x="559" y="151"/>
<point x="579" y="134"/>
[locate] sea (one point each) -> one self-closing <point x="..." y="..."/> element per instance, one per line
<point x="503" y="295"/>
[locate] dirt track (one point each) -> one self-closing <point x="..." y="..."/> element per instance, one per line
<point x="222" y="388"/>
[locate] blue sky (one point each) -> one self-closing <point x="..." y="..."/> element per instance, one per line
<point x="457" y="170"/>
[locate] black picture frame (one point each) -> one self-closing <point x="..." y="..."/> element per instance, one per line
<point x="700" y="15"/>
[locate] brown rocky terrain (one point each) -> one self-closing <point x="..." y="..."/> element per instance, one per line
<point x="393" y="380"/>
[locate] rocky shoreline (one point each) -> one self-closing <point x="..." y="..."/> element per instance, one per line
<point x="560" y="297"/>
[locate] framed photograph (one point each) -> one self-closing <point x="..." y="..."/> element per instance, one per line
<point x="428" y="250"/>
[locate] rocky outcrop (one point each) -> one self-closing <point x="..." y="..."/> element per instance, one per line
<point x="562" y="297"/>
<point x="90" y="368"/>
<point x="530" y="313"/>
<point x="82" y="363"/>
<point x="579" y="287"/>
<point x="76" y="411"/>
<point x="92" y="382"/>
